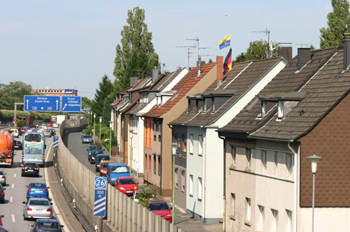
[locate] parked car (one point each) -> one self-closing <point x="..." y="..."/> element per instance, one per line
<point x="94" y="147"/>
<point x="2" y="178"/>
<point x="37" y="189"/>
<point x="2" y="194"/>
<point x="1" y="216"/>
<point x="17" y="145"/>
<point x="116" y="170"/>
<point x="126" y="185"/>
<point x="82" y="133"/>
<point x="31" y="169"/>
<point x="98" y="160"/>
<point x="37" y="207"/>
<point x="51" y="225"/>
<point x="103" y="167"/>
<point x="94" y="153"/>
<point x="160" y="208"/>
<point x="15" y="133"/>
<point x="86" y="139"/>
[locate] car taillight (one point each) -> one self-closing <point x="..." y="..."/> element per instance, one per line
<point x="43" y="157"/>
<point x="35" y="168"/>
<point x="22" y="156"/>
<point x="29" y="209"/>
<point x="2" y="193"/>
<point x="48" y="210"/>
<point x="3" y="177"/>
<point x="24" y="168"/>
<point x="29" y="190"/>
<point x="46" y="191"/>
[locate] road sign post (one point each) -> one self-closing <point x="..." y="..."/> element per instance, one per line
<point x="71" y="103"/>
<point x="42" y="103"/>
<point x="55" y="142"/>
<point x="100" y="196"/>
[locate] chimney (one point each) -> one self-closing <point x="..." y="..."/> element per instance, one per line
<point x="346" y="62"/>
<point x="220" y="69"/>
<point x="199" y="66"/>
<point x="286" y="53"/>
<point x="154" y="75"/>
<point x="133" y="81"/>
<point x="304" y="55"/>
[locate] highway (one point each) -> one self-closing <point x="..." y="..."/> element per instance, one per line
<point x="15" y="193"/>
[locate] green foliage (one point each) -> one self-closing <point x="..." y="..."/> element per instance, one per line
<point x="240" y="58"/>
<point x="338" y="24"/>
<point x="37" y="121"/>
<point x="106" y="111"/>
<point x="210" y="61"/>
<point x="259" y="50"/>
<point x="106" y="87"/>
<point x="21" y="123"/>
<point x="9" y="114"/>
<point x="85" y="102"/>
<point x="13" y="92"/>
<point x="135" y="56"/>
<point x="312" y="47"/>
<point x="146" y="194"/>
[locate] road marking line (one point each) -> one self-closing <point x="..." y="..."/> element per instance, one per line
<point x="14" y="175"/>
<point x="13" y="185"/>
<point x="13" y="218"/>
<point x="11" y="199"/>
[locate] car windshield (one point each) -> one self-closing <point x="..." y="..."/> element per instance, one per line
<point x="48" y="226"/>
<point x="1" y="173"/>
<point x="38" y="185"/>
<point x="39" y="202"/>
<point x="127" y="181"/>
<point x="30" y="165"/>
<point x="119" y="169"/>
<point x="158" y="206"/>
<point x="96" y="147"/>
<point x="87" y="137"/>
<point x="101" y="158"/>
<point x="104" y="165"/>
<point x="32" y="138"/>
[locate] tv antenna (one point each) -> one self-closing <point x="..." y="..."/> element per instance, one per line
<point x="197" y="39"/>
<point x="188" y="53"/>
<point x="267" y="32"/>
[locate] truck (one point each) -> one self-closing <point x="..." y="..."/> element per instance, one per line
<point x="61" y="118"/>
<point x="6" y="148"/>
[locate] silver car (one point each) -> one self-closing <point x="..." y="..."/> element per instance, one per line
<point x="2" y="178"/>
<point x="47" y="133"/>
<point x="37" y="207"/>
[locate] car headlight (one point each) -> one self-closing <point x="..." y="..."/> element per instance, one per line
<point x="112" y="178"/>
<point x="169" y="215"/>
<point x="121" y="188"/>
<point x="135" y="187"/>
<point x="92" y="157"/>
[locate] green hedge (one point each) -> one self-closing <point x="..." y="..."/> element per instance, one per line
<point x="8" y="115"/>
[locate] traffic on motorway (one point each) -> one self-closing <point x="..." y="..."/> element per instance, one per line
<point x="24" y="196"/>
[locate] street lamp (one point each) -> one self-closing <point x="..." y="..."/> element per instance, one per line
<point x="131" y="155"/>
<point x="314" y="158"/>
<point x="100" y="128"/>
<point x="110" y="138"/>
<point x="173" y="149"/>
<point x="94" y="126"/>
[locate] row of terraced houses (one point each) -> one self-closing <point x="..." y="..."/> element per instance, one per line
<point x="243" y="139"/>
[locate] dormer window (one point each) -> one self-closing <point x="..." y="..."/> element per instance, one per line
<point x="219" y="101"/>
<point x="208" y="104"/>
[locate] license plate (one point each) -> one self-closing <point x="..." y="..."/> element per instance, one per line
<point x="30" y="170"/>
<point x="39" y="210"/>
<point x="128" y="191"/>
<point x="38" y="191"/>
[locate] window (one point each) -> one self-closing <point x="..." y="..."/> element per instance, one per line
<point x="263" y="161"/>
<point x="276" y="162"/>
<point x="248" y="210"/>
<point x="154" y="163"/>
<point x="154" y="132"/>
<point x="233" y="206"/>
<point x="289" y="163"/>
<point x="183" y="181"/>
<point x="176" y="177"/>
<point x="199" y="188"/>
<point x="233" y="154"/>
<point x="159" y="166"/>
<point x="274" y="220"/>
<point x="159" y="132"/>
<point x="150" y="162"/>
<point x="200" y="144"/>
<point x="146" y="161"/>
<point x="191" y="144"/>
<point x="191" y="185"/>
<point x="249" y="157"/>
<point x="289" y="221"/>
<point x="261" y="217"/>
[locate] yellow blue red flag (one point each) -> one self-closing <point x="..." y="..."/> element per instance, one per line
<point x="225" y="42"/>
<point x="228" y="62"/>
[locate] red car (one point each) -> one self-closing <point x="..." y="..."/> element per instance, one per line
<point x="49" y="124"/>
<point x="1" y="216"/>
<point x="160" y="208"/>
<point x="126" y="185"/>
<point x="103" y="167"/>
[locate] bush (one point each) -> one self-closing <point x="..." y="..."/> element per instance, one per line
<point x="146" y="194"/>
<point x="21" y="123"/>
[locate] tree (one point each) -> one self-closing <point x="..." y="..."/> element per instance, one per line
<point x="240" y="58"/>
<point x="210" y="61"/>
<point x="338" y="24"/>
<point x="259" y="50"/>
<point x="86" y="102"/>
<point x="106" y="111"/>
<point x="13" y="92"/>
<point x="135" y="56"/>
<point x="106" y="88"/>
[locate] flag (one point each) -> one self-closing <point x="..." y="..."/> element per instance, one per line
<point x="225" y="42"/>
<point x="228" y="62"/>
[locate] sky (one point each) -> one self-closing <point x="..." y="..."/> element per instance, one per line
<point x="72" y="44"/>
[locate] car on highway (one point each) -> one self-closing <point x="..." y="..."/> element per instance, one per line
<point x="37" y="208"/>
<point x="37" y="189"/>
<point x="15" y="132"/>
<point x="51" y="225"/>
<point x="161" y="208"/>
<point x="94" y="153"/>
<point x="52" y="131"/>
<point x="94" y="147"/>
<point x="49" y="124"/>
<point x="103" y="167"/>
<point x="2" y="194"/>
<point x="24" y="129"/>
<point x="126" y="185"/>
<point x="47" y="133"/>
<point x="55" y="125"/>
<point x="98" y="160"/>
<point x="31" y="169"/>
<point x="86" y="139"/>
<point x="2" y="178"/>
<point x="116" y="170"/>
<point x="17" y="145"/>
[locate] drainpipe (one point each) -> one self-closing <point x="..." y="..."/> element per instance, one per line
<point x="204" y="170"/>
<point x="224" y="185"/>
<point x="295" y="185"/>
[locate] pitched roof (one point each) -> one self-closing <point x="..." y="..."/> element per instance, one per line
<point x="324" y="91"/>
<point x="236" y="82"/>
<point x="288" y="80"/>
<point x="181" y="88"/>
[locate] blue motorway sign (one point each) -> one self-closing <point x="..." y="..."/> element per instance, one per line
<point x="42" y="103"/>
<point x="100" y="182"/>
<point x="55" y="142"/>
<point x="100" y="196"/>
<point x="71" y="103"/>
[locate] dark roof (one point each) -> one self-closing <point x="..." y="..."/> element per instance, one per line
<point x="288" y="80"/>
<point x="324" y="91"/>
<point x="237" y="81"/>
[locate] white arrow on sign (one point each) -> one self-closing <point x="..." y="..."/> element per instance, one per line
<point x="42" y="108"/>
<point x="64" y="106"/>
<point x="27" y="103"/>
<point x="56" y="104"/>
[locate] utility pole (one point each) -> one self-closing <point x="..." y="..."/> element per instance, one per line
<point x="188" y="52"/>
<point x="267" y="32"/>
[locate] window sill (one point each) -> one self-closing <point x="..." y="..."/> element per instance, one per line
<point x="248" y="223"/>
<point x="190" y="195"/>
<point x="233" y="218"/>
<point x="200" y="199"/>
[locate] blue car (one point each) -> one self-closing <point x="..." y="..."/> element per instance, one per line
<point x="37" y="189"/>
<point x="93" y="155"/>
<point x="116" y="170"/>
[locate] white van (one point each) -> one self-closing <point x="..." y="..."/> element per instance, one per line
<point x="15" y="133"/>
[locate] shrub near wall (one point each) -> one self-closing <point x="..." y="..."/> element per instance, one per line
<point x="8" y="115"/>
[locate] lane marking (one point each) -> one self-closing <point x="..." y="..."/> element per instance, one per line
<point x="14" y="175"/>
<point x="13" y="218"/>
<point x="13" y="185"/>
<point x="11" y="199"/>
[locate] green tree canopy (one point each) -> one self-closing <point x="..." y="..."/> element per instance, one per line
<point x="106" y="111"/>
<point x="106" y="88"/>
<point x="86" y="102"/>
<point x="338" y="24"/>
<point x="135" y="56"/>
<point x="13" y="92"/>
<point x="257" y="50"/>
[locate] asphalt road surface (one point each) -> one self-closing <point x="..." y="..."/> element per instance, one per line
<point x="15" y="192"/>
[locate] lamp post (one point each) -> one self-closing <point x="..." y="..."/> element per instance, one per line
<point x="110" y="139"/>
<point x="173" y="149"/>
<point x="131" y="155"/>
<point x="100" y="128"/>
<point x="314" y="158"/>
<point x="94" y="126"/>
